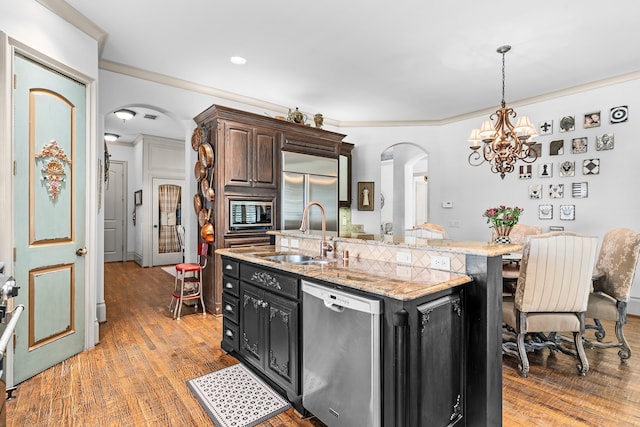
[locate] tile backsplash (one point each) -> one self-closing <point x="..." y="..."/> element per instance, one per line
<point x="374" y="250"/>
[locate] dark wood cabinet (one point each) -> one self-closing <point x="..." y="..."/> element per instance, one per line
<point x="261" y="310"/>
<point x="250" y="156"/>
<point x="269" y="334"/>
<point x="247" y="151"/>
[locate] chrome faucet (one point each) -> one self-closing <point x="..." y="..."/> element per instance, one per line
<point x="324" y="245"/>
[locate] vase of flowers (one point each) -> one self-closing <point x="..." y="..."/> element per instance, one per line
<point x="502" y="219"/>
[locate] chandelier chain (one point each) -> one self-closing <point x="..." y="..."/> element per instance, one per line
<point x="503" y="79"/>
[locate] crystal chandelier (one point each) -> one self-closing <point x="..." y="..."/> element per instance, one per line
<point x="503" y="143"/>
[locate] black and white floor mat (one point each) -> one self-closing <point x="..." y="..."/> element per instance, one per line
<point x="235" y="397"/>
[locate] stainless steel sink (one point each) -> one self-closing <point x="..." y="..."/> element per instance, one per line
<point x="296" y="259"/>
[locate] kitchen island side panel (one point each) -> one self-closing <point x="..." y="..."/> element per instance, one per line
<point x="483" y="311"/>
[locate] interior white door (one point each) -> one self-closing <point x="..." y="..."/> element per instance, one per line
<point x="167" y="215"/>
<point x="115" y="212"/>
<point x="49" y="211"/>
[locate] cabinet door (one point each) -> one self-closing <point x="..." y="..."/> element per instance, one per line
<point x="265" y="159"/>
<point x="441" y="362"/>
<point x="237" y="158"/>
<point x="252" y="307"/>
<point x="282" y="341"/>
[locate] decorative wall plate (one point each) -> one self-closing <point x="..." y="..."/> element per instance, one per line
<point x="619" y="114"/>
<point x="567" y="124"/>
<point x="591" y="167"/>
<point x="535" y="191"/>
<point x="546" y="170"/>
<point x="604" y="142"/>
<point x="556" y="148"/>
<point x="525" y="172"/>
<point x="545" y="127"/>
<point x="545" y="211"/>
<point x="579" y="189"/>
<point x="567" y="212"/>
<point x="567" y="168"/>
<point x="556" y="191"/>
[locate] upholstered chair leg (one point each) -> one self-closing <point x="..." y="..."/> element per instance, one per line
<point x="583" y="363"/>
<point x="522" y="353"/>
<point x="600" y="331"/>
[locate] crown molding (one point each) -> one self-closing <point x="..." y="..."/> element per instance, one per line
<point x="78" y="20"/>
<point x="71" y="15"/>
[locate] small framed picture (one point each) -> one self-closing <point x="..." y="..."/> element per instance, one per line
<point x="556" y="148"/>
<point x="604" y="142"/>
<point x="567" y="168"/>
<point x="535" y="191"/>
<point x="365" y="196"/>
<point x="567" y="212"/>
<point x="580" y="190"/>
<point x="591" y="167"/>
<point x="567" y="124"/>
<point x="137" y="198"/>
<point x="579" y="145"/>
<point x="536" y="151"/>
<point x="619" y="114"/>
<point x="556" y="191"/>
<point x="545" y="211"/>
<point x="525" y="172"/>
<point x="591" y="120"/>
<point x="546" y="170"/>
<point x="545" y="127"/>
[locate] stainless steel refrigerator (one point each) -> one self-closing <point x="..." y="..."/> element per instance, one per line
<point x="308" y="178"/>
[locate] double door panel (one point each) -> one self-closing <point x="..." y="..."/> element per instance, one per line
<point x="269" y="334"/>
<point x="250" y="156"/>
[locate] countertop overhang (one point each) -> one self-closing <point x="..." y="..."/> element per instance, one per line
<point x="397" y="281"/>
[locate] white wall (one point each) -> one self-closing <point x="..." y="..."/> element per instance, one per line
<point x="612" y="200"/>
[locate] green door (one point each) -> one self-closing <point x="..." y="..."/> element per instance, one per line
<point x="49" y="211"/>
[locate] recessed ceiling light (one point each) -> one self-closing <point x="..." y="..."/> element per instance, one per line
<point x="111" y="137"/>
<point x="238" y="60"/>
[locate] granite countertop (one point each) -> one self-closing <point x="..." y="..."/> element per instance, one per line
<point x="397" y="281"/>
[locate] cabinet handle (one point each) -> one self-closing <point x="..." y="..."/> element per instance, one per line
<point x="229" y="333"/>
<point x="228" y="285"/>
<point x="228" y="308"/>
<point x="228" y="267"/>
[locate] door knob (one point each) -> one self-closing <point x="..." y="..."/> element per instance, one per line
<point x="81" y="252"/>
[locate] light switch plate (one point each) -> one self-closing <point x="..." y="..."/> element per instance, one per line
<point x="403" y="257"/>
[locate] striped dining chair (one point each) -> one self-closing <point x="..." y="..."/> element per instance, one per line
<point x="551" y="295"/>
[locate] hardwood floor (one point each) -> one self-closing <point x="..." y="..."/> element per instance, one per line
<point x="137" y="375"/>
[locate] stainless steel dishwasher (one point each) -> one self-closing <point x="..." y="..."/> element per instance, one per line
<point x="341" y="356"/>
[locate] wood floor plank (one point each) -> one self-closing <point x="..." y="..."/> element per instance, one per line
<point x="136" y="375"/>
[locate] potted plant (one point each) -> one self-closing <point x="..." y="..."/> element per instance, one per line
<point x="502" y="219"/>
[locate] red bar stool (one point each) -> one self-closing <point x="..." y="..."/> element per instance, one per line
<point x="188" y="283"/>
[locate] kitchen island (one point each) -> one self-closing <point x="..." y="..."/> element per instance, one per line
<point x="440" y="332"/>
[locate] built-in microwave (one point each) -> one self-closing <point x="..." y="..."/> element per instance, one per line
<point x="250" y="214"/>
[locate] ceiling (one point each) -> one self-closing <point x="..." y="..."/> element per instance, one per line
<point x="372" y="61"/>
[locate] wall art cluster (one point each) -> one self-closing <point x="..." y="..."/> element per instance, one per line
<point x="570" y="148"/>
